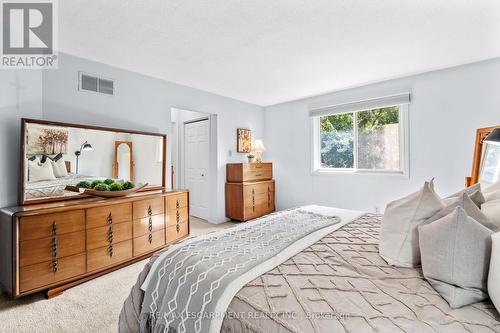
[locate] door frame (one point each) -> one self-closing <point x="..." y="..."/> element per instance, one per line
<point x="213" y="190"/>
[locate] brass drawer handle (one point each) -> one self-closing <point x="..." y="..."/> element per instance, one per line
<point x="178" y="227"/>
<point x="258" y="167"/>
<point x="150" y="210"/>
<point x="177" y="204"/>
<point x="177" y="217"/>
<point x="150" y="228"/>
<point x="258" y="175"/>
<point x="110" y="234"/>
<point x="54" y="247"/>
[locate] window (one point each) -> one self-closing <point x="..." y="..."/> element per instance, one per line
<point x="370" y="140"/>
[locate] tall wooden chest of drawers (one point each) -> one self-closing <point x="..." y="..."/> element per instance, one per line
<point x="54" y="246"/>
<point x="250" y="190"/>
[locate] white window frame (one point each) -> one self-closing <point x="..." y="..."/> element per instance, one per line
<point x="404" y="148"/>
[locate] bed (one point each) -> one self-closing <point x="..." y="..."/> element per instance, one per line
<point x="330" y="279"/>
<point x="51" y="188"/>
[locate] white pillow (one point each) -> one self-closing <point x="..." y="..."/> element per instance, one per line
<point x="494" y="273"/>
<point x="470" y="208"/>
<point x="474" y="192"/>
<point x="398" y="234"/>
<point x="492" y="210"/>
<point x="456" y="252"/>
<point x="40" y="171"/>
<point x="492" y="192"/>
<point x="59" y="168"/>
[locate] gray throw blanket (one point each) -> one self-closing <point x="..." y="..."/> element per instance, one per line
<point x="186" y="283"/>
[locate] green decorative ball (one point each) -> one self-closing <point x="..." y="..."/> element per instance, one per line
<point x="102" y="187"/>
<point x="128" y="185"/>
<point x="109" y="181"/>
<point x="95" y="183"/>
<point x="116" y="187"/>
<point x="84" y="184"/>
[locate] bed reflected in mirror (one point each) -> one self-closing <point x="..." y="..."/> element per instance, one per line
<point x="58" y="155"/>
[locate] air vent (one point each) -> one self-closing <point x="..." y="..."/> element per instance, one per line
<point x="94" y="83"/>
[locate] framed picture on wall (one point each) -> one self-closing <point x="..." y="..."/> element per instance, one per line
<point x="244" y="137"/>
<point x="47" y="140"/>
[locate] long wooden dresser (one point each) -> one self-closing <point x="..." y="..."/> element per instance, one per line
<point x="249" y="190"/>
<point x="54" y="246"/>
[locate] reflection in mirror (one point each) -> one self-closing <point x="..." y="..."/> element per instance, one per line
<point x="490" y="164"/>
<point x="124" y="164"/>
<point x="57" y="156"/>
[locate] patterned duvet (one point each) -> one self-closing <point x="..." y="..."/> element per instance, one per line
<point x="339" y="284"/>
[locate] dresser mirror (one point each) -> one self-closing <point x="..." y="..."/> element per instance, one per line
<point x="486" y="159"/>
<point x="490" y="164"/>
<point x="56" y="155"/>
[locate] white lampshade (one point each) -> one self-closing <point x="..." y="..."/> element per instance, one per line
<point x="258" y="146"/>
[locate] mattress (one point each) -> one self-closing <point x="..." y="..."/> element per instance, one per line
<point x="338" y="284"/>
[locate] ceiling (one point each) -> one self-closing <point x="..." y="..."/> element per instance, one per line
<point x="271" y="51"/>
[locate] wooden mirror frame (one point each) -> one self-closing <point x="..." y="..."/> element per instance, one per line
<point x="115" y="163"/>
<point x="481" y="133"/>
<point x="22" y="162"/>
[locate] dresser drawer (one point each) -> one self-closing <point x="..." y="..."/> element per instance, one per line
<point x="40" y="250"/>
<point x="100" y="258"/>
<point x="257" y="175"/>
<point x="42" y="274"/>
<point x="258" y="188"/>
<point x="141" y="226"/>
<point x="98" y="217"/>
<point x="145" y="244"/>
<point x="257" y="166"/>
<point x="174" y="233"/>
<point x="40" y="226"/>
<point x="98" y="237"/>
<point x="245" y="172"/>
<point x="177" y="216"/>
<point x="258" y="209"/>
<point x="258" y="199"/>
<point x="149" y="207"/>
<point x="176" y="201"/>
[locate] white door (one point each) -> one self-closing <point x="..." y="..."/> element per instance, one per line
<point x="196" y="143"/>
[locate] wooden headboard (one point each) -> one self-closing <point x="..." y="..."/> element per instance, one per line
<point x="481" y="133"/>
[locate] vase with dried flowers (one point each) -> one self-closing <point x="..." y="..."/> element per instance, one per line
<point x="251" y="158"/>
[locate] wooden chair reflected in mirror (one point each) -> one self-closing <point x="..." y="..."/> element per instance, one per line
<point x="123" y="166"/>
<point x="482" y="159"/>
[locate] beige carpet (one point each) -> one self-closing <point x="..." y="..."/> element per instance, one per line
<point x="90" y="307"/>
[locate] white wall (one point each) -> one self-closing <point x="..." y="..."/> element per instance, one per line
<point x="20" y="96"/>
<point x="447" y="106"/>
<point x="144" y="103"/>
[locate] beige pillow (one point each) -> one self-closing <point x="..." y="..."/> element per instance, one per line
<point x="474" y="192"/>
<point x="59" y="168"/>
<point x="40" y="171"/>
<point x="470" y="208"/>
<point x="492" y="210"/>
<point x="398" y="233"/>
<point x="494" y="273"/>
<point x="456" y="252"/>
